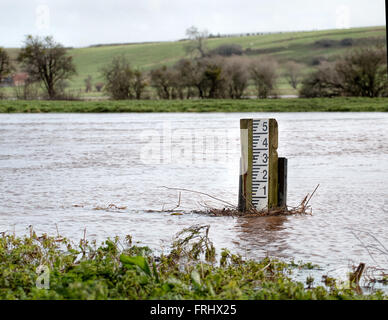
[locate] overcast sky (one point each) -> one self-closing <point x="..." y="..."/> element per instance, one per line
<point x="81" y="23"/>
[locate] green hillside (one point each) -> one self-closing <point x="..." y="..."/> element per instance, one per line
<point x="302" y="47"/>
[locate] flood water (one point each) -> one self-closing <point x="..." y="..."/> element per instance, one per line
<point x="57" y="169"/>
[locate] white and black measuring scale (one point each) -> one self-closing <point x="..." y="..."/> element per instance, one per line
<point x="260" y="163"/>
<point x="258" y="150"/>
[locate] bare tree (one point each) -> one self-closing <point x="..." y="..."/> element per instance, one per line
<point x="121" y="81"/>
<point x="205" y="75"/>
<point x="47" y="61"/>
<point x="185" y="73"/>
<point x="162" y="80"/>
<point x="118" y="77"/>
<point x="198" y="41"/>
<point x="5" y="64"/>
<point x="29" y="90"/>
<point x="139" y="83"/>
<point x="321" y="83"/>
<point x="191" y="75"/>
<point x="361" y="72"/>
<point x="293" y="73"/>
<point x="236" y="69"/>
<point x="264" y="75"/>
<point x="214" y="79"/>
<point x="88" y="83"/>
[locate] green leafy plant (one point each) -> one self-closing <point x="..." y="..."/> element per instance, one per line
<point x="116" y="270"/>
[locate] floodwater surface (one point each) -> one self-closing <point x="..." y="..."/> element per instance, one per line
<point x="60" y="173"/>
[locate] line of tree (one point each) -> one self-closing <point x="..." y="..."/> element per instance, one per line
<point x="208" y="77"/>
<point x="219" y="73"/>
<point x="361" y="72"/>
<point x="223" y="72"/>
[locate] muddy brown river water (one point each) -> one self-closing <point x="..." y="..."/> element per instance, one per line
<point x="57" y="169"/>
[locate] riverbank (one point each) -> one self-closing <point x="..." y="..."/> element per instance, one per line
<point x="249" y="105"/>
<point x="120" y="270"/>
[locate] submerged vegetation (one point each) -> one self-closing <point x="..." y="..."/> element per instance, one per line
<point x="120" y="270"/>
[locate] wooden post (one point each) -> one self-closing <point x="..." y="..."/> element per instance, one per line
<point x="245" y="197"/>
<point x="282" y="176"/>
<point x="273" y="183"/>
<point x="259" y="164"/>
<point x="241" y="200"/>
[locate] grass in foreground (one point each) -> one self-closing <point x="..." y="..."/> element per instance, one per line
<point x="249" y="105"/>
<point x="125" y="271"/>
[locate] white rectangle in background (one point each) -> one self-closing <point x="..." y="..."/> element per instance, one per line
<point x="260" y="161"/>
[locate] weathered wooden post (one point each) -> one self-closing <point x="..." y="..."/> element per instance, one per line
<point x="259" y="181"/>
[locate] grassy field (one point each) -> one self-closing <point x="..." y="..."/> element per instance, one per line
<point x="297" y="46"/>
<point x="118" y="269"/>
<point x="251" y="105"/>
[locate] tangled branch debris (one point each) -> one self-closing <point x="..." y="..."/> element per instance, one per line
<point x="231" y="210"/>
<point x="378" y="252"/>
<point x="202" y="193"/>
<point x="301" y="209"/>
<point x="112" y="208"/>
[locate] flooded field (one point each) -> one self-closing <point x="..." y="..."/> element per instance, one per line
<point x="62" y="171"/>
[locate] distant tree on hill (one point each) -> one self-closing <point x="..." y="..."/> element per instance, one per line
<point x="5" y="64"/>
<point x="227" y="50"/>
<point x="47" y="61"/>
<point x="325" y="43"/>
<point x="198" y="41"/>
<point x="347" y="42"/>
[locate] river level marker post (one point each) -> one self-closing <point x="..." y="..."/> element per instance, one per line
<point x="259" y="165"/>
